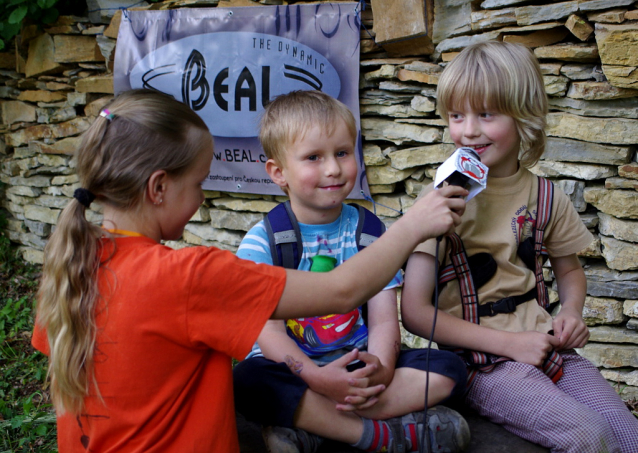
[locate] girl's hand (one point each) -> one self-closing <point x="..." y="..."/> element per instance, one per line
<point x="438" y="212"/>
<point x="530" y="347"/>
<point x="570" y="329"/>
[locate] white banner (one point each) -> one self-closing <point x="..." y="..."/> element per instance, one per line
<point x="227" y="63"/>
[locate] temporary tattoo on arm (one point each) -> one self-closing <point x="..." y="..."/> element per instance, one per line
<point x="294" y="365"/>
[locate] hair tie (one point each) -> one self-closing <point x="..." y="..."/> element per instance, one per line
<point x="84" y="196"/>
<point x="107" y="114"/>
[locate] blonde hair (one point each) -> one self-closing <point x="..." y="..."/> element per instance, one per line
<point x="500" y="76"/>
<point x="148" y="131"/>
<point x="289" y="116"/>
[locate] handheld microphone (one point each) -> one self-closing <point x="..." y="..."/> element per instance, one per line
<point x="463" y="168"/>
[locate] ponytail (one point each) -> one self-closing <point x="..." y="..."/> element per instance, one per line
<point x="67" y="299"/>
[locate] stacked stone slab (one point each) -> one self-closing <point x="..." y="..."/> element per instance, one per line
<point x="59" y="78"/>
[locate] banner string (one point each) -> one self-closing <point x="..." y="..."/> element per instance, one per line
<point x="123" y="8"/>
<point x="358" y="10"/>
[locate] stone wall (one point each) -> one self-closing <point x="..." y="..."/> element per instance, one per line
<point x="56" y="82"/>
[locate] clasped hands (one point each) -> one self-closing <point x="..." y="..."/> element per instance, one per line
<point x="353" y="390"/>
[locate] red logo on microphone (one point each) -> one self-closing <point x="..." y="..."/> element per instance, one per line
<point x="470" y="169"/>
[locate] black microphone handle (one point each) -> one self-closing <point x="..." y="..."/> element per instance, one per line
<point x="458" y="179"/>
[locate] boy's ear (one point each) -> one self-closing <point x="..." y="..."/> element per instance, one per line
<point x="276" y="172"/>
<point x="156" y="187"/>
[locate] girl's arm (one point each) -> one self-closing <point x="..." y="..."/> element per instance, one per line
<point x="569" y="327"/>
<point x="417" y="312"/>
<point x="365" y="274"/>
<point x="333" y="380"/>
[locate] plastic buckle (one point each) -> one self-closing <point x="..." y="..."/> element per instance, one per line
<point x="506" y="305"/>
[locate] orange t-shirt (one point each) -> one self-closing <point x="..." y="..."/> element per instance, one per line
<point x="169" y="323"/>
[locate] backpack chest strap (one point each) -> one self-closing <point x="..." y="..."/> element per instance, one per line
<point x="506" y="305"/>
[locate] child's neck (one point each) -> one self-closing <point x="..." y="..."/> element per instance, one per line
<point x="504" y="172"/>
<point x="310" y="216"/>
<point x="126" y="223"/>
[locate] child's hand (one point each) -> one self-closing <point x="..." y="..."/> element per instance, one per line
<point x="531" y="347"/>
<point x="379" y="374"/>
<point x="438" y="212"/>
<point x="351" y="390"/>
<point x="373" y="376"/>
<point x="570" y="329"/>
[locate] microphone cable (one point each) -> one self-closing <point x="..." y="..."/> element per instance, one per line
<point x="425" y="441"/>
<point x="456" y="178"/>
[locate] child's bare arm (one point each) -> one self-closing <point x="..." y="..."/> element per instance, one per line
<point x="366" y="273"/>
<point x="417" y="312"/>
<point x="384" y="336"/>
<point x="569" y="327"/>
<point x="333" y="380"/>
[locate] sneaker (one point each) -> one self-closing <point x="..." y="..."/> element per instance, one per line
<point x="448" y="430"/>
<point x="290" y="440"/>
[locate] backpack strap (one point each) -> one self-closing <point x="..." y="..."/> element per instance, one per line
<point x="284" y="236"/>
<point x="469" y="298"/>
<point x="369" y="227"/>
<point x="482" y="267"/>
<point x="545" y="202"/>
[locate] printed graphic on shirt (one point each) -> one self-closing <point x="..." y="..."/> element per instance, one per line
<point x="323" y="334"/>
<point x="523" y="224"/>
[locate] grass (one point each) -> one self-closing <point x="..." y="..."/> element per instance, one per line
<point x="27" y="420"/>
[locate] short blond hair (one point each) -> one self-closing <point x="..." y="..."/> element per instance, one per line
<point x="504" y="77"/>
<point x="290" y="116"/>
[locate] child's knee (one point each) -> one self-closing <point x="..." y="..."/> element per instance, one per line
<point x="582" y="432"/>
<point x="443" y="363"/>
<point x="444" y="384"/>
<point x="455" y="372"/>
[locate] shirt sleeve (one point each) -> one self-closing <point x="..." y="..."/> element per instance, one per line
<point x="230" y="315"/>
<point x="39" y="339"/>
<point x="255" y="246"/>
<point x="566" y="233"/>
